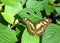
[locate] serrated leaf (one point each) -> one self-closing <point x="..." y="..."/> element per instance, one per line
<point x="27" y="38"/>
<point x="13" y="10"/>
<point x="31" y="14"/>
<point x="52" y="34"/>
<point x="7" y="35"/>
<point x="8" y="17"/>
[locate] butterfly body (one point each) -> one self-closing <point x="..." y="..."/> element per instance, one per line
<point x="37" y="28"/>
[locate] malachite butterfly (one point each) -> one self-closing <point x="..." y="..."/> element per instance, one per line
<point x="37" y="28"/>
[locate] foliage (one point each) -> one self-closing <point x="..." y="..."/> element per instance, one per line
<point x="14" y="30"/>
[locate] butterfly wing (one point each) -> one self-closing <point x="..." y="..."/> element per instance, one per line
<point x="37" y="28"/>
<point x="30" y="26"/>
<point x="42" y="25"/>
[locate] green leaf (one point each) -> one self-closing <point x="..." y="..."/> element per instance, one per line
<point x="27" y="38"/>
<point x="58" y="4"/>
<point x="58" y="42"/>
<point x="10" y="3"/>
<point x="17" y="31"/>
<point x="14" y="32"/>
<point x="49" y="9"/>
<point x="46" y="2"/>
<point x="57" y="10"/>
<point x="52" y="34"/>
<point x="31" y="14"/>
<point x="22" y="2"/>
<point x="51" y="1"/>
<point x="8" y="17"/>
<point x="58" y="21"/>
<point x="1" y="7"/>
<point x="35" y="4"/>
<point x="13" y="10"/>
<point x="7" y="35"/>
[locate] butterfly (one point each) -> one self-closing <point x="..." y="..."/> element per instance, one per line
<point x="37" y="28"/>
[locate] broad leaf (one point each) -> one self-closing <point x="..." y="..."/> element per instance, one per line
<point x="7" y="35"/>
<point x="52" y="34"/>
<point x="49" y="9"/>
<point x="13" y="10"/>
<point x="58" y="21"/>
<point x="8" y="17"/>
<point x="27" y="38"/>
<point x="51" y="1"/>
<point x="10" y="3"/>
<point x="17" y="31"/>
<point x="35" y="4"/>
<point x="57" y="10"/>
<point x="46" y="2"/>
<point x="22" y="2"/>
<point x="31" y="14"/>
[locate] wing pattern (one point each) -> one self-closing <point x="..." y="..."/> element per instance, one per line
<point x="37" y="28"/>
